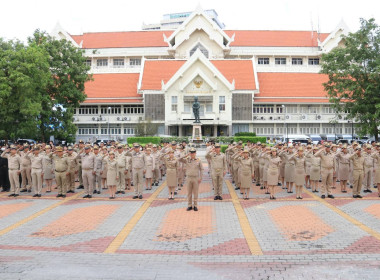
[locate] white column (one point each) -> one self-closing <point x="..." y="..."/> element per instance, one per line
<point x="215" y="130"/>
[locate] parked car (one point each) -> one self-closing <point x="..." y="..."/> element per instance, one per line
<point x="315" y="138"/>
<point x="299" y="137"/>
<point x="26" y="141"/>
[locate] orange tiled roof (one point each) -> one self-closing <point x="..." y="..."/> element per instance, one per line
<point x="265" y="38"/>
<point x="302" y="85"/>
<point x="128" y="39"/>
<point x="112" y="86"/>
<point x="290" y="100"/>
<point x="156" y="71"/>
<point x="93" y="101"/>
<point x="259" y="38"/>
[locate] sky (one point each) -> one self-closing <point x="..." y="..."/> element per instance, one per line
<point x="19" y="18"/>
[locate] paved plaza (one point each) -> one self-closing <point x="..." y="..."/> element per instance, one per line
<point x="156" y="238"/>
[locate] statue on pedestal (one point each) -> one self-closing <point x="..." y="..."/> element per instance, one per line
<point x="196" y="107"/>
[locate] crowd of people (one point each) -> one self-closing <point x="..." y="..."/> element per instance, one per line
<point x="118" y="168"/>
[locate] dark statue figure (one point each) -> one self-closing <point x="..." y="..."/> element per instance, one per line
<point x="196" y="107"/>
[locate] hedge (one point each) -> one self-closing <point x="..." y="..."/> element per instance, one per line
<point x="252" y="134"/>
<point x="177" y="139"/>
<point x="144" y="140"/>
<point x="251" y="139"/>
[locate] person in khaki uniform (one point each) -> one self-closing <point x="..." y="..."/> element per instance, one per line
<point x="137" y="163"/>
<point x="78" y="151"/>
<point x="358" y="171"/>
<point x="171" y="163"/>
<point x="112" y="174"/>
<point x="88" y="170"/>
<point x="247" y="172"/>
<point x="327" y="170"/>
<point x="122" y="164"/>
<point x="103" y="172"/>
<point x="26" y="170"/>
<point x="149" y="166"/>
<point x="376" y="155"/>
<point x="194" y="174"/>
<point x="343" y="159"/>
<point x="156" y="170"/>
<point x="273" y="171"/>
<point x="369" y="163"/>
<point x="37" y="167"/>
<point x="98" y="169"/>
<point x="218" y="169"/>
<point x="315" y="170"/>
<point x="255" y="157"/>
<point x="48" y="168"/>
<point x="73" y="169"/>
<point x="61" y="164"/>
<point x="14" y="165"/>
<point x="300" y="171"/>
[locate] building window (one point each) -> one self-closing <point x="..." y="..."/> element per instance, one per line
<point x="279" y="109"/>
<point x="263" y="109"/>
<point x="328" y="110"/>
<point x="174" y="103"/>
<point x="280" y="61"/>
<point x="133" y="109"/>
<point x="291" y="109"/>
<point x="135" y="62"/>
<point x="118" y="62"/>
<point x="88" y="62"/>
<point x="313" y="61"/>
<point x="129" y="131"/>
<point x="201" y="48"/>
<point x="187" y="107"/>
<point x="103" y="62"/>
<point x="88" y="110"/>
<point x="208" y="107"/>
<point x="297" y="61"/>
<point x="111" y="110"/>
<point x="222" y="103"/>
<point x="263" y="60"/>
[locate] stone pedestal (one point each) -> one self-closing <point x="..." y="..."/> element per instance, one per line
<point x="197" y="133"/>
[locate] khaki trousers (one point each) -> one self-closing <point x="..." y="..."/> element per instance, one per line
<point x="358" y="175"/>
<point x="80" y="175"/>
<point x="37" y="180"/>
<point x="14" y="180"/>
<point x="88" y="181"/>
<point x="97" y="181"/>
<point x="61" y="180"/>
<point x="368" y="174"/>
<point x="26" y="176"/>
<point x="71" y="181"/>
<point x="257" y="172"/>
<point x="138" y="178"/>
<point x="327" y="180"/>
<point x="217" y="181"/>
<point x="121" y="183"/>
<point x="192" y="191"/>
<point x="156" y="175"/>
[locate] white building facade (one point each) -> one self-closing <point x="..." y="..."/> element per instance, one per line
<point x="246" y="81"/>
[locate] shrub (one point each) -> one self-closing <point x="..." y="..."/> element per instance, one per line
<point x="144" y="140"/>
<point x="251" y="134"/>
<point x="250" y="138"/>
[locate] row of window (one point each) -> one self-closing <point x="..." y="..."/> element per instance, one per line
<point x="310" y="129"/>
<point x="271" y="109"/>
<point x="204" y="105"/>
<point x="283" y="61"/>
<point x="116" y="62"/>
<point x="110" y="110"/>
<point x="106" y="131"/>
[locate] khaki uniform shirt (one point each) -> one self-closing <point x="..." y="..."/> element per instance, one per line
<point x="194" y="167"/>
<point x="73" y="162"/>
<point x="25" y="160"/>
<point x="14" y="161"/>
<point x="122" y="160"/>
<point x="36" y="161"/>
<point x="358" y="162"/>
<point x="88" y="161"/>
<point x="368" y="161"/>
<point x="218" y="161"/>
<point x="137" y="160"/>
<point x="327" y="159"/>
<point x="61" y="163"/>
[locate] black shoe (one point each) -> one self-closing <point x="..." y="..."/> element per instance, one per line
<point x="80" y="187"/>
<point x="117" y="192"/>
<point x="156" y="184"/>
<point x="39" y="195"/>
<point x="236" y="188"/>
<point x="59" y="195"/>
<point x="63" y="195"/>
<point x="279" y="184"/>
<point x="36" y="195"/>
<point x="195" y="208"/>
<point x="257" y="185"/>
<point x="216" y="197"/>
<point x="220" y="198"/>
<point x="16" y="195"/>
<point x="369" y="191"/>
<point x="175" y="193"/>
<point x="330" y="196"/>
<point x="140" y="196"/>
<point x="89" y="196"/>
<point x="359" y="196"/>
<point x="123" y="192"/>
<point x="98" y="192"/>
<point x="12" y="194"/>
<point x="323" y="196"/>
<point x="355" y="196"/>
<point x="233" y="182"/>
<point x="94" y="192"/>
<point x="29" y="190"/>
<point x="375" y="187"/>
<point x="365" y="191"/>
<point x="351" y="186"/>
<point x="24" y="190"/>
<point x="70" y="191"/>
<point x="135" y="197"/>
<point x="300" y="197"/>
<point x="86" y="196"/>
<point x="189" y="208"/>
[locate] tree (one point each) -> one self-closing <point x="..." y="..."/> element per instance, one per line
<point x="146" y="128"/>
<point x="24" y="72"/>
<point x="354" y="77"/>
<point x="65" y="90"/>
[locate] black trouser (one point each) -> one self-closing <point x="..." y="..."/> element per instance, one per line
<point x="4" y="179"/>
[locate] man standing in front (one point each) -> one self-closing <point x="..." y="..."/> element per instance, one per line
<point x="358" y="162"/>
<point x="194" y="173"/>
<point x="88" y="170"/>
<point x="62" y="165"/>
<point x="327" y="170"/>
<point x="218" y="169"/>
<point x="137" y="162"/>
<point x="14" y="164"/>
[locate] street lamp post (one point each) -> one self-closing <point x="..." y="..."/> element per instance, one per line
<point x="283" y="133"/>
<point x="109" y="133"/>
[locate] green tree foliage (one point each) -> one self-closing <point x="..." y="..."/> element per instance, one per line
<point x="354" y="77"/>
<point x="146" y="128"/>
<point x="24" y="74"/>
<point x="65" y="90"/>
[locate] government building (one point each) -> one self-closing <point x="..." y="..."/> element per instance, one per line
<point x="259" y="81"/>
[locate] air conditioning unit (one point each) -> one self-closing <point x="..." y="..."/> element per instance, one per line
<point x="262" y="118"/>
<point x="255" y="117"/>
<point x="303" y="117"/>
<point x="93" y="118"/>
<point x="318" y="117"/>
<point x="126" y="118"/>
<point x="118" y="118"/>
<point x="288" y="117"/>
<point x="271" y="118"/>
<point x="279" y="118"/>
